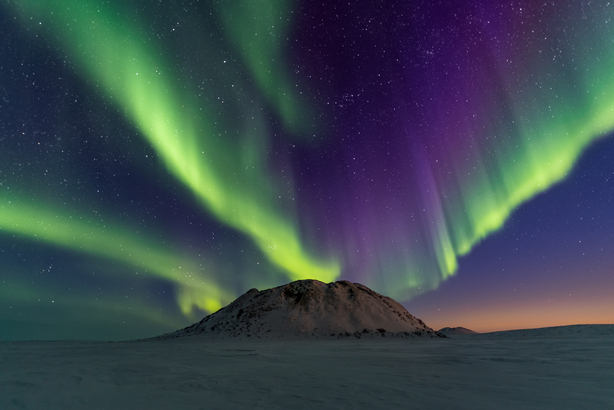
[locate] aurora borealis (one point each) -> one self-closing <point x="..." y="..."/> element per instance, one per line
<point x="159" y="159"/>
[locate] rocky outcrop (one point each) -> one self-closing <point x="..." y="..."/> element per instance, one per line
<point x="310" y="309"/>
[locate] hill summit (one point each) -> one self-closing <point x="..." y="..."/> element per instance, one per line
<point x="309" y="309"/>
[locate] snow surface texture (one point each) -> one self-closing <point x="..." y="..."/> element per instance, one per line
<point x="310" y="309"/>
<point x="451" y="331"/>
<point x="559" y="368"/>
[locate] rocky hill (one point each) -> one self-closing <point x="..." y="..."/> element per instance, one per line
<point x="450" y="331"/>
<point x="309" y="309"/>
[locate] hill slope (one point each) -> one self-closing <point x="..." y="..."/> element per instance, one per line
<point x="310" y="309"/>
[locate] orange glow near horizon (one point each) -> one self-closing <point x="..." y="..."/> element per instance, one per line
<point x="495" y="307"/>
<point x="535" y="315"/>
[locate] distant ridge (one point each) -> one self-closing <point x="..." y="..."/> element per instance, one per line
<point x="451" y="331"/>
<point x="309" y="309"/>
<point x="542" y="332"/>
<point x="557" y="331"/>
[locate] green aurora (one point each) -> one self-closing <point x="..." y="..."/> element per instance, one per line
<point x="215" y="137"/>
<point x="201" y="148"/>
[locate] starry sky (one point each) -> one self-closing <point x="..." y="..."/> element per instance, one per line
<point x="158" y="159"/>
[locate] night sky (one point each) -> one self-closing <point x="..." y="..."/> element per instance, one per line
<point x="160" y="158"/>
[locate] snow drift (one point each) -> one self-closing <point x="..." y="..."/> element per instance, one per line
<point x="310" y="309"/>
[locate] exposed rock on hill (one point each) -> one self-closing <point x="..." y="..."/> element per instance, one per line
<point x="310" y="309"/>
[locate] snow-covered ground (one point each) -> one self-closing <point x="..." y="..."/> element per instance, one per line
<point x="557" y="368"/>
